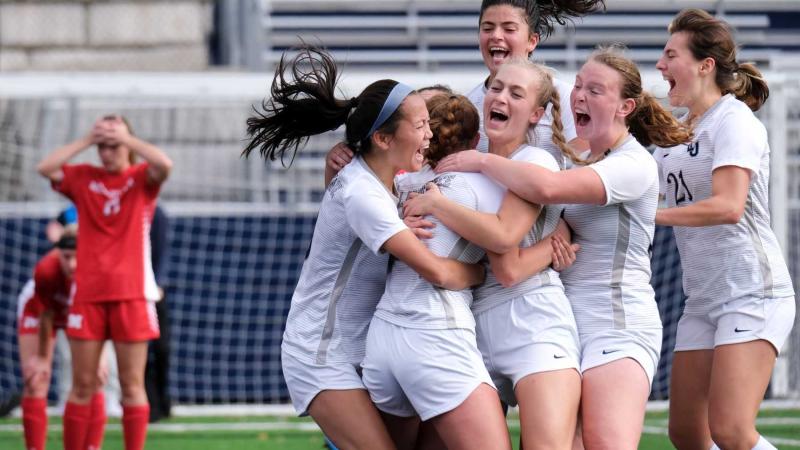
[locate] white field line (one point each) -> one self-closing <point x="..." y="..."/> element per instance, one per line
<point x="286" y="410"/>
<point x="650" y="429"/>
<point x="759" y="421"/>
<point x="187" y="427"/>
<point x="312" y="427"/>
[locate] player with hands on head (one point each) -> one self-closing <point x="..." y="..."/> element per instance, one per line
<point x="114" y="282"/>
<point x="740" y="304"/>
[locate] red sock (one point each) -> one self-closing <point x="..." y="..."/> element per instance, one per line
<point x="34" y="421"/>
<point x="134" y="425"/>
<point x="76" y="426"/>
<point x="97" y="422"/>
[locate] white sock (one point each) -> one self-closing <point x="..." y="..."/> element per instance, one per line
<point x="762" y="444"/>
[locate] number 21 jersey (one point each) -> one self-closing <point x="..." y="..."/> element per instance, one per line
<point x="725" y="262"/>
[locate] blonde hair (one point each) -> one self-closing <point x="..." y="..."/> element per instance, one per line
<point x="546" y="92"/>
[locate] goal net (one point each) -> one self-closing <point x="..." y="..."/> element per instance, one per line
<point x="239" y="229"/>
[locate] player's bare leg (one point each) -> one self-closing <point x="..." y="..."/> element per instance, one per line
<point x="428" y="438"/>
<point x="403" y="430"/>
<point x="613" y="404"/>
<point x="85" y="361"/>
<point x="350" y="419"/>
<point x="131" y="361"/>
<point x="688" y="400"/>
<point x="477" y="423"/>
<point x="548" y="408"/>
<point x="739" y="378"/>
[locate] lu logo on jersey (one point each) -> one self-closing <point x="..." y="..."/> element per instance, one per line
<point x="693" y="149"/>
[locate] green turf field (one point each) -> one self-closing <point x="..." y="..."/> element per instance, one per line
<point x="282" y="433"/>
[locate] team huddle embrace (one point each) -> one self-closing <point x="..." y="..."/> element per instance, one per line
<point x="493" y="249"/>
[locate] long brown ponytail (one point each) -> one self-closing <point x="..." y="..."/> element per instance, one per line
<point x="710" y="37"/>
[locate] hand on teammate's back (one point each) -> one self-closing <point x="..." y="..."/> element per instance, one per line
<point x="338" y="156"/>
<point x="419" y="226"/>
<point x="422" y="204"/>
<point x="466" y="161"/>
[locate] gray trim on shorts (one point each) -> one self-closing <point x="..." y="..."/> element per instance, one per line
<point x="449" y="312"/>
<point x="758" y="246"/>
<point x="618" y="266"/>
<point x="338" y="288"/>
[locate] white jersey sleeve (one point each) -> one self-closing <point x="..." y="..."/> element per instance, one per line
<point x="626" y="176"/>
<point x="536" y="156"/>
<point x="739" y="141"/>
<point x="372" y="218"/>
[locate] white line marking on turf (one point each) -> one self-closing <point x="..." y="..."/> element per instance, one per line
<point x="649" y="429"/>
<point x="312" y="427"/>
<point x="759" y="421"/>
<point x="186" y="427"/>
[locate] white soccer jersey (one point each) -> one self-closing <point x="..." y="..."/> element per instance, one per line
<point x="609" y="283"/>
<point x="344" y="274"/>
<point x="542" y="134"/>
<point x="491" y="292"/>
<point x="410" y="300"/>
<point x="725" y="262"/>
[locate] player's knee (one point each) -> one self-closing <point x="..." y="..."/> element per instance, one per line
<point x="132" y="388"/>
<point x="731" y="434"/>
<point x="84" y="386"/>
<point x="598" y="440"/>
<point x="682" y="436"/>
<point x="35" y="389"/>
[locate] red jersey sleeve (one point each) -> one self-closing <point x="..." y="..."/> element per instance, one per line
<point x="73" y="173"/>
<point x="140" y="175"/>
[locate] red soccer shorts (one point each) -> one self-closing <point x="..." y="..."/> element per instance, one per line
<point x="120" y="321"/>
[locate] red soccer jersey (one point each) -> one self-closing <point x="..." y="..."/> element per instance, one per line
<point x="114" y="215"/>
<point x="52" y="287"/>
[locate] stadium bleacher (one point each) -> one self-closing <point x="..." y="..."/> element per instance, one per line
<point x="433" y="34"/>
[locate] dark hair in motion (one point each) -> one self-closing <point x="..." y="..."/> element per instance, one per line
<point x="710" y="37"/>
<point x="305" y="105"/>
<point x="454" y="124"/>
<point x="543" y="15"/>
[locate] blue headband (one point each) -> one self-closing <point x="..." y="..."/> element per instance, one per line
<point x="399" y="92"/>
